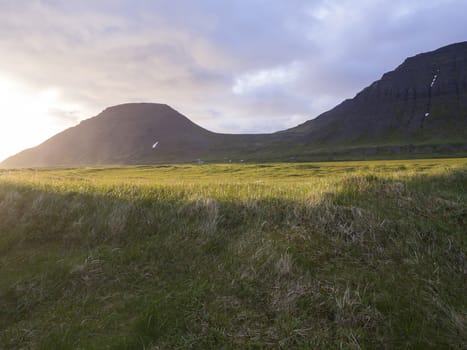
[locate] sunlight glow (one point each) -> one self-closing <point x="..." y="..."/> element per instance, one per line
<point x="28" y="117"/>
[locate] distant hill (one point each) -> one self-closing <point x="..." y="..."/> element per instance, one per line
<point x="118" y="135"/>
<point x="419" y="107"/>
<point x="135" y="133"/>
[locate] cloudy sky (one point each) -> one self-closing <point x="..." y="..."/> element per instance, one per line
<point x="231" y="66"/>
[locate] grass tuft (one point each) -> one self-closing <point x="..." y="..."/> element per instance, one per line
<point x="356" y="255"/>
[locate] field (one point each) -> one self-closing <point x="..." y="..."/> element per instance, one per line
<point x="351" y="255"/>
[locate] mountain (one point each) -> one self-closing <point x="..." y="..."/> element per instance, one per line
<point x="134" y="133"/>
<point x="116" y="136"/>
<point x="419" y="107"/>
<point x="424" y="100"/>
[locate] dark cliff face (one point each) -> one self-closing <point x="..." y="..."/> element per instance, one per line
<point x="424" y="99"/>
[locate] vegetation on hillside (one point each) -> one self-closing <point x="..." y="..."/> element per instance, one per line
<point x="356" y="255"/>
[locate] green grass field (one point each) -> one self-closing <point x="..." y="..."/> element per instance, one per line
<point x="351" y="255"/>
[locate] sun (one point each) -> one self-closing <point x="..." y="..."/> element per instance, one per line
<point x="27" y="116"/>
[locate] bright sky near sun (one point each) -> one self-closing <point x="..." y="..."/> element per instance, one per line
<point x="24" y="117"/>
<point x="27" y="116"/>
<point x="230" y="66"/>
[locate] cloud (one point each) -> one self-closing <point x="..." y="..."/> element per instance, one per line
<point x="247" y="65"/>
<point x="264" y="78"/>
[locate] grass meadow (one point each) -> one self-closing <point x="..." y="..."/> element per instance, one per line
<point x="343" y="255"/>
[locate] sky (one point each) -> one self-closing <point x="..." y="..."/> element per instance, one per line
<point x="235" y="66"/>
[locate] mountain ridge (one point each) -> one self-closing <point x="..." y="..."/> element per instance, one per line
<point x="422" y="102"/>
<point x="403" y="96"/>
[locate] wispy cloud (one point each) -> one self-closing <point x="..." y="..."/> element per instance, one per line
<point x="277" y="77"/>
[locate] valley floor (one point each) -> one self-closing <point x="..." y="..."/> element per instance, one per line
<point x="354" y="255"/>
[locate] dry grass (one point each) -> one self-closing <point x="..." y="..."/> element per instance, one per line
<point x="335" y="255"/>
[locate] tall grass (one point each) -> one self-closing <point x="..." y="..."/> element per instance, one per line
<point x="324" y="255"/>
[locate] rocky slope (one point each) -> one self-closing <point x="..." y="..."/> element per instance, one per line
<point x="424" y="100"/>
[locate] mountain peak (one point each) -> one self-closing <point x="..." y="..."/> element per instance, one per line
<point x="139" y="109"/>
<point x="139" y="105"/>
<point x="120" y="134"/>
<point x="437" y="57"/>
<point x="462" y="45"/>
